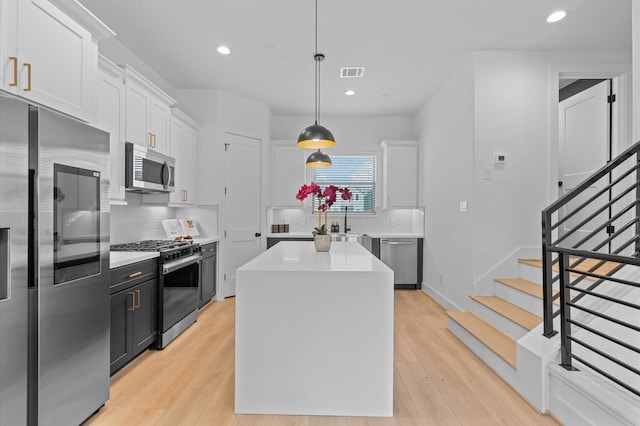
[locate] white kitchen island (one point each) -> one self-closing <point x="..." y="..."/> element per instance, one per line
<point x="314" y="332"/>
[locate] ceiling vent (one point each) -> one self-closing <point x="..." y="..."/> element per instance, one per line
<point x="351" y="72"/>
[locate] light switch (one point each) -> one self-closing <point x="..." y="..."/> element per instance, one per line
<point x="463" y="206"/>
<point x="487" y="173"/>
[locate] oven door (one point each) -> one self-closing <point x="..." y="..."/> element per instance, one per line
<point x="179" y="290"/>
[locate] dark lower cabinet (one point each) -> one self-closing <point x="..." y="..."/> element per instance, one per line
<point x="133" y="312"/>
<point x="208" y="273"/>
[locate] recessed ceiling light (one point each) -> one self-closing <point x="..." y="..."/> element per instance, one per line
<point x="223" y="50"/>
<point x="556" y="16"/>
<point x="350" y="92"/>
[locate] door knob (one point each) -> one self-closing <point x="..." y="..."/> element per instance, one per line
<point x="258" y="234"/>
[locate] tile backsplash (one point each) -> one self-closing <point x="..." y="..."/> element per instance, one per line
<point x="139" y="221"/>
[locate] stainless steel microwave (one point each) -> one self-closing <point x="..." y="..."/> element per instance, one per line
<point x="148" y="171"/>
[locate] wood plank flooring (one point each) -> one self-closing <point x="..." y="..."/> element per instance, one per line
<point x="437" y="380"/>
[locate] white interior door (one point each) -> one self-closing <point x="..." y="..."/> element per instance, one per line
<point x="242" y="205"/>
<point x="584" y="148"/>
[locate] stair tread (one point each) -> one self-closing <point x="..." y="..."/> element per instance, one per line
<point x="585" y="265"/>
<point x="498" y="342"/>
<point x="516" y="314"/>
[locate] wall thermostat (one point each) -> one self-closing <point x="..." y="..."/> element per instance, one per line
<point x="499" y="158"/>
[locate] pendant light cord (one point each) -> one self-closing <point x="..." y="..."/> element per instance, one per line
<point x="317" y="73"/>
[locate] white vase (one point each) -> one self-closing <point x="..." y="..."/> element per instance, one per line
<point x="322" y="242"/>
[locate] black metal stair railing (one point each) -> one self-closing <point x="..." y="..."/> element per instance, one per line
<point x="590" y="239"/>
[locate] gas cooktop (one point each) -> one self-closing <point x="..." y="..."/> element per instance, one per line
<point x="150" y="245"/>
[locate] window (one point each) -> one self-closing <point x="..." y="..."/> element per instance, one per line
<point x="356" y="172"/>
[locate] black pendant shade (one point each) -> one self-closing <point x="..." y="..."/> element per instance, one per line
<point x="318" y="159"/>
<point x="316" y="137"/>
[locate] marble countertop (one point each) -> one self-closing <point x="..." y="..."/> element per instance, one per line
<point x="301" y="256"/>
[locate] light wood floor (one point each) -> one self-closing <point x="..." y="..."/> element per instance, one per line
<point x="437" y="381"/>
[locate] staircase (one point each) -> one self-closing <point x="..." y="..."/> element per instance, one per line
<point x="498" y="320"/>
<point x="504" y="329"/>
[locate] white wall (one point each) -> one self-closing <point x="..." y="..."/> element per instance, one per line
<point x="516" y="114"/>
<point x="445" y="130"/>
<point x="496" y="102"/>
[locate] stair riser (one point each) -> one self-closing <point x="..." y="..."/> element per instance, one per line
<point x="530" y="273"/>
<point x="524" y="300"/>
<point x="505" y="325"/>
<point x="497" y="364"/>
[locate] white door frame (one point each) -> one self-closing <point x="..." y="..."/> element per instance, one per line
<point x="621" y="126"/>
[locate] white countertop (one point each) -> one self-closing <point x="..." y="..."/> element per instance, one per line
<point x="372" y="234"/>
<point x="395" y="235"/>
<point x="301" y="256"/>
<point x="123" y="258"/>
<point x="290" y="235"/>
<point x="205" y="240"/>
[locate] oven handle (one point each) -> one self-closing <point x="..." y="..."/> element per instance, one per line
<point x="170" y="267"/>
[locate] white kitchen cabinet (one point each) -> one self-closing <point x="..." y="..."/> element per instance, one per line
<point x="288" y="173"/>
<point x="111" y="105"/>
<point x="183" y="149"/>
<point x="148" y="112"/>
<point x="48" y="58"/>
<point x="399" y="174"/>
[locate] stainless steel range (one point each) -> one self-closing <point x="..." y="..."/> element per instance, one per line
<point x="178" y="284"/>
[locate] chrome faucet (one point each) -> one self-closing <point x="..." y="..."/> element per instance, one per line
<point x="346" y="228"/>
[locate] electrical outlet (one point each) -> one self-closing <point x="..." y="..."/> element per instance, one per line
<point x="393" y="221"/>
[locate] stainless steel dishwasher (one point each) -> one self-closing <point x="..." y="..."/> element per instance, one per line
<point x="401" y="255"/>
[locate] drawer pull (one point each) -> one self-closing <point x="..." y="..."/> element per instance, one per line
<point x="135" y="274"/>
<point x="137" y="305"/>
<point x="133" y="301"/>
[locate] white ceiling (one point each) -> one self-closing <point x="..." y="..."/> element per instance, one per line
<point x="407" y="46"/>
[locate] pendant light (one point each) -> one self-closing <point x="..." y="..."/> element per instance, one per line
<point x="316" y="136"/>
<point x="318" y="159"/>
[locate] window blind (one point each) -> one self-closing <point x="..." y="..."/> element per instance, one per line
<point x="356" y="172"/>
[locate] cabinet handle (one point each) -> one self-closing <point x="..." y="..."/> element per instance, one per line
<point x="155" y="145"/>
<point x="137" y="305"/>
<point x="133" y="301"/>
<point x="150" y="140"/>
<point x="15" y="70"/>
<point x="28" y="66"/>
<point x="135" y="274"/>
<point x="185" y="195"/>
<point x="206" y="268"/>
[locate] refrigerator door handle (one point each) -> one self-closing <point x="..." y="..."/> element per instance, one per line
<point x="5" y="263"/>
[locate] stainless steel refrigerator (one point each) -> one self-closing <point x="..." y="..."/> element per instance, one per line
<point x="54" y="267"/>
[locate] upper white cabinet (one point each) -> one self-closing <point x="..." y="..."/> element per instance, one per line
<point x="111" y="105"/>
<point x="48" y="58"/>
<point x="183" y="149"/>
<point x="399" y="174"/>
<point x="288" y="172"/>
<point x="148" y="113"/>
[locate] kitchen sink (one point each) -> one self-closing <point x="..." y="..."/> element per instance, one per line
<point x="346" y="237"/>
